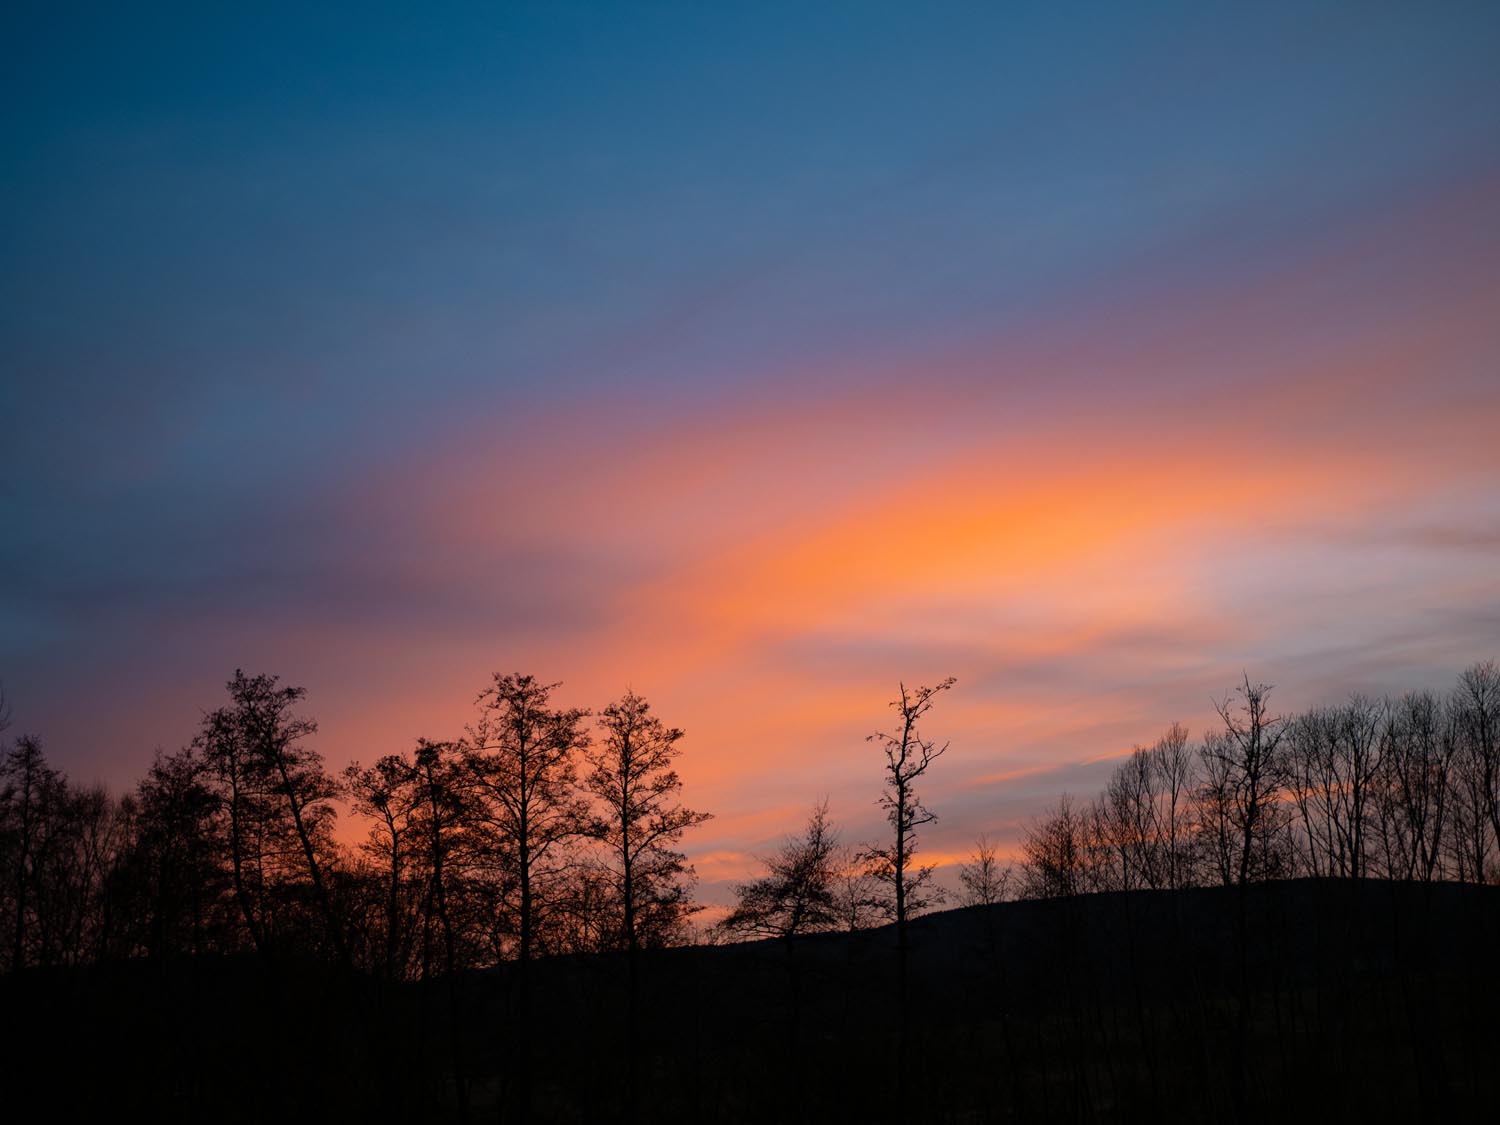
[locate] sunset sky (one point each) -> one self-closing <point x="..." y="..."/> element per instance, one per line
<point x="757" y="358"/>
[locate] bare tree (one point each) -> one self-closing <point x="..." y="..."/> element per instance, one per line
<point x="99" y="829"/>
<point x="632" y="776"/>
<point x="907" y="757"/>
<point x="269" y="734"/>
<point x="176" y="880"/>
<point x="984" y="879"/>
<point x="390" y="794"/>
<point x="1311" y="757"/>
<point x="1469" y="845"/>
<point x="441" y="822"/>
<point x="239" y="786"/>
<point x="1122" y="827"/>
<point x="31" y="796"/>
<point x="589" y="918"/>
<point x="1477" y="710"/>
<point x="1138" y="833"/>
<point x="437" y="827"/>
<point x="856" y="893"/>
<point x="1332" y="759"/>
<point x="1133" y="795"/>
<point x="61" y="852"/>
<point x="1361" y="743"/>
<point x="1213" y="812"/>
<point x="1247" y="775"/>
<point x="1171" y="763"/>
<point x="1054" y="853"/>
<point x="1420" y="741"/>
<point x="522" y="754"/>
<point x="798" y="894"/>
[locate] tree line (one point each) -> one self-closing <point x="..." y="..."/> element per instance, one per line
<point x="535" y="832"/>
<point x="546" y="829"/>
<point x="1405" y="789"/>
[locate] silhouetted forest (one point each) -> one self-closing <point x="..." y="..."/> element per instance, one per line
<point x="1295" y="915"/>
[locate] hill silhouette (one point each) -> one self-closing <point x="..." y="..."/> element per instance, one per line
<point x="1306" y="1000"/>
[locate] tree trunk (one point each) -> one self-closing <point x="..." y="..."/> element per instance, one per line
<point x="325" y="904"/>
<point x="632" y="984"/>
<point x="237" y="862"/>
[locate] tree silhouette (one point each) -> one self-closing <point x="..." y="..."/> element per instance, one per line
<point x="798" y="894"/>
<point x="907" y="758"/>
<point x="527" y="839"/>
<point x="984" y="879"/>
<point x="1172" y="781"/>
<point x="239" y="787"/>
<point x="276" y="786"/>
<point x="1477" y="709"/>
<point x="1248" y="774"/>
<point x="523" y="756"/>
<point x="1140" y="830"/>
<point x="439" y="822"/>
<point x="857" y="893"/>
<point x="1333" y="764"/>
<point x="31" y="795"/>
<point x="389" y="794"/>
<point x="1055" y="853"/>
<point x="632" y="777"/>
<point x="1420" y="745"/>
<point x="175" y="864"/>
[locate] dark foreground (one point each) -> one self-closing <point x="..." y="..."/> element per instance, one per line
<point x="1343" y="1002"/>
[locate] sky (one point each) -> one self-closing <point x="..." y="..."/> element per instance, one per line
<point x="755" y="357"/>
